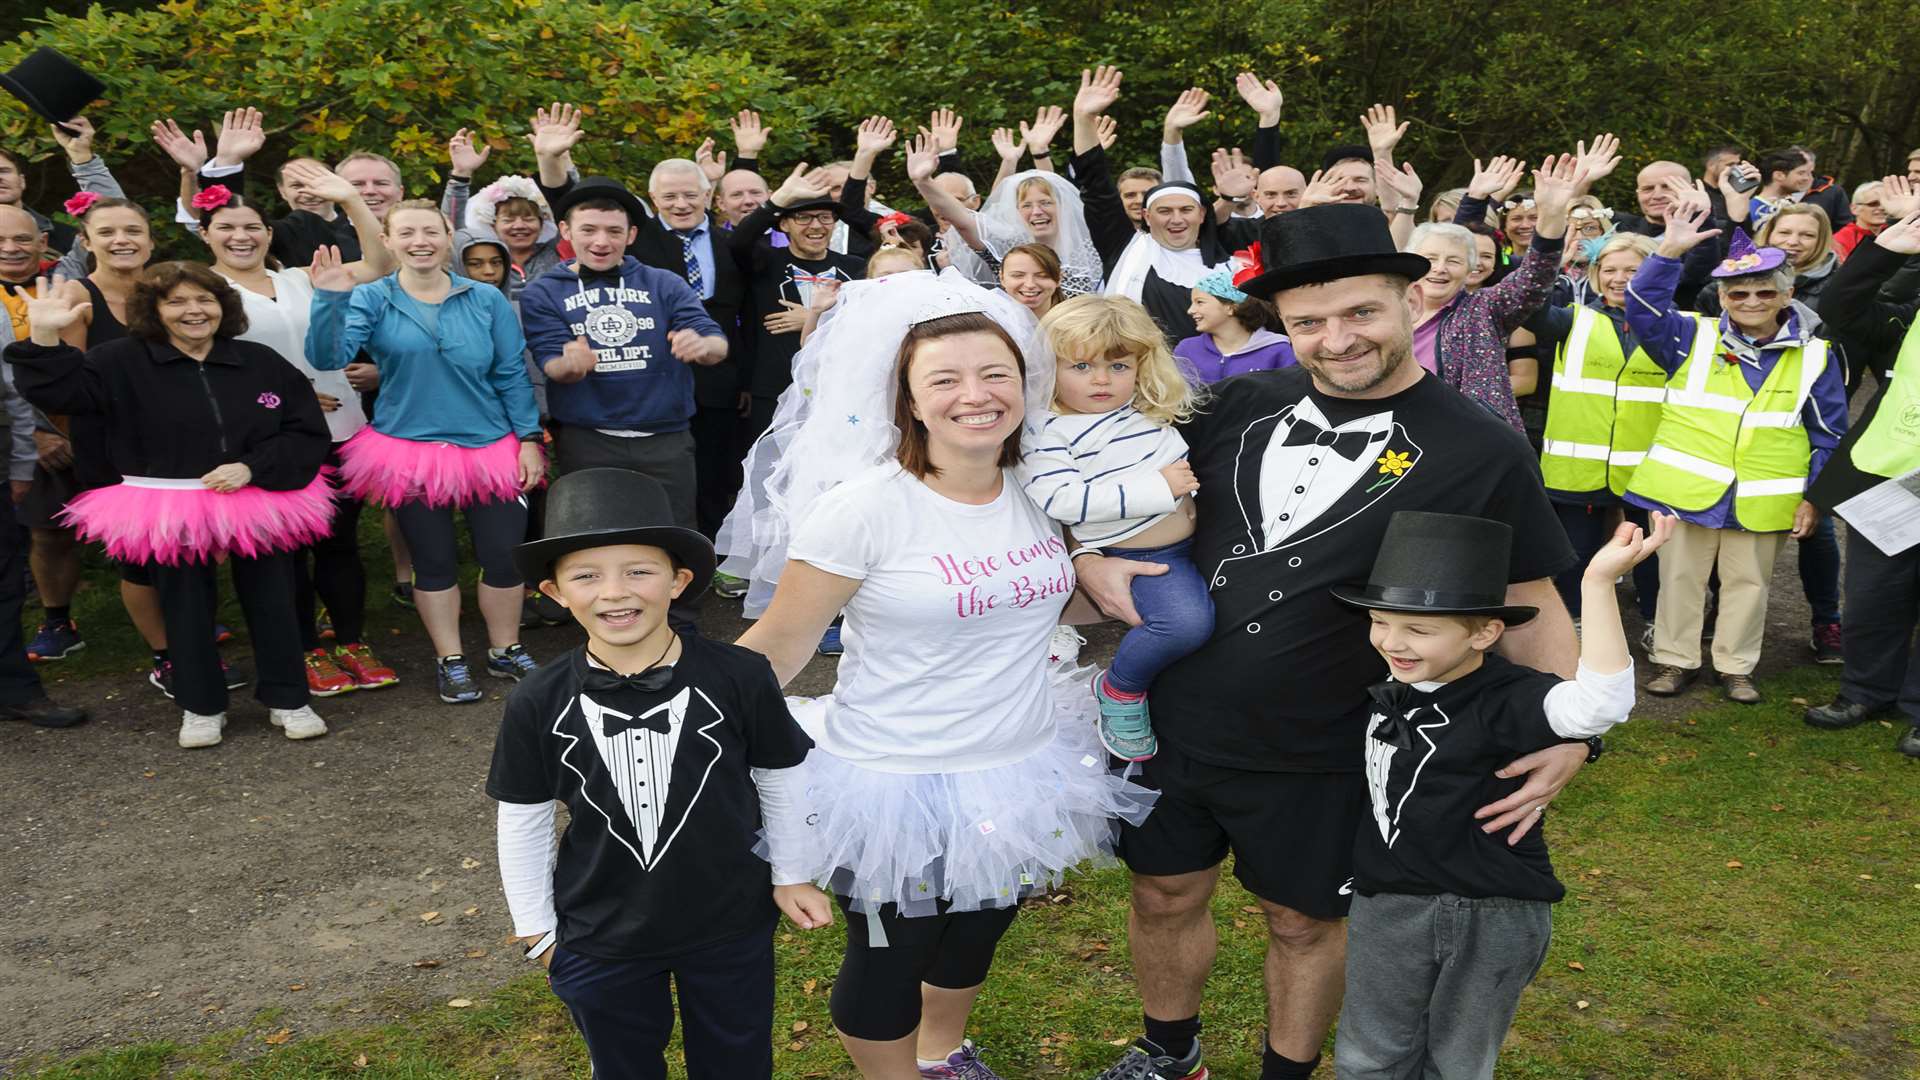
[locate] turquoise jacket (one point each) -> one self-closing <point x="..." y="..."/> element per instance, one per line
<point x="462" y="381"/>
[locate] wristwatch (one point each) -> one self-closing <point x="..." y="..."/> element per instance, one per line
<point x="1595" y="747"/>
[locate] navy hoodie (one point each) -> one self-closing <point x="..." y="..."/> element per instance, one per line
<point x="625" y="314"/>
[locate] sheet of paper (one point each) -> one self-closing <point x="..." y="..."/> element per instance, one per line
<point x="1887" y="514"/>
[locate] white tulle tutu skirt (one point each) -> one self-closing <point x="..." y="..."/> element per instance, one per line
<point x="980" y="839"/>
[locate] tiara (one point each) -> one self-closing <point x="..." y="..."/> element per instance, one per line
<point x="946" y="304"/>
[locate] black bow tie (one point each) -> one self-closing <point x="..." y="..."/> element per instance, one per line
<point x="1348" y="444"/>
<point x="1394" y="701"/>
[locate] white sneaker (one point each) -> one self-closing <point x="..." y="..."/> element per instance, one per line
<point x="1064" y="646"/>
<point x="300" y="723"/>
<point x="197" y="731"/>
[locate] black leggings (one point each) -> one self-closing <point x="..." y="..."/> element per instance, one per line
<point x="497" y="527"/>
<point x="877" y="995"/>
<point x="337" y="575"/>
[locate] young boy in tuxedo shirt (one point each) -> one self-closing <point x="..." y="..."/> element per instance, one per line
<point x="669" y="751"/>
<point x="1450" y="922"/>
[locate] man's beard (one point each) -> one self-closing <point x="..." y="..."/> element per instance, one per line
<point x="1393" y="355"/>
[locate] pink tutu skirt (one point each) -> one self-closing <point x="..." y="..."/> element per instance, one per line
<point x="146" y="519"/>
<point x="382" y="469"/>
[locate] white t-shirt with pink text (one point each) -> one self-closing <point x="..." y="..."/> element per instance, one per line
<point x="946" y="640"/>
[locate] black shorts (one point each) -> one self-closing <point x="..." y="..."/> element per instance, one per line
<point x="1291" y="834"/>
<point x="52" y="490"/>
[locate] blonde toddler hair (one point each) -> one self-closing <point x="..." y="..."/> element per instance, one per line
<point x="1094" y="325"/>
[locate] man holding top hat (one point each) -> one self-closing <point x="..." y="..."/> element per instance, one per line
<point x="1306" y="466"/>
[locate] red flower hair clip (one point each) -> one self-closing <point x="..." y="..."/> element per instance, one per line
<point x="1247" y="265"/>
<point x="81" y="203"/>
<point x="212" y="198"/>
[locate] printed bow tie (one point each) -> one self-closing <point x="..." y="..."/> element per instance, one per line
<point x="1394" y="701"/>
<point x="1348" y="444"/>
<point x="649" y="682"/>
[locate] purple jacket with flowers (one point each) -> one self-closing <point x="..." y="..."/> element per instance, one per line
<point x="1472" y="344"/>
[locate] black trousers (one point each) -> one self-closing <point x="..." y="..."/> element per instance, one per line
<point x="188" y="605"/>
<point x="333" y="569"/>
<point x="19" y="683"/>
<point x="1883" y="607"/>
<point x="717" y="452"/>
<point x="624" y="1009"/>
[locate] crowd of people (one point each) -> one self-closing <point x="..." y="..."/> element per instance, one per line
<point x="1297" y="425"/>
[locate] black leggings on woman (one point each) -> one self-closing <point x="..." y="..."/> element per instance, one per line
<point x="337" y="574"/>
<point x="497" y="527"/>
<point x="877" y="995"/>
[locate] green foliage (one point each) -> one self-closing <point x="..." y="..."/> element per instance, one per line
<point x="399" y="76"/>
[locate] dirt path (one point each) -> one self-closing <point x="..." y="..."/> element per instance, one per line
<point x="147" y="892"/>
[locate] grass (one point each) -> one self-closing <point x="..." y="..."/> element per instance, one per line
<point x="1742" y="897"/>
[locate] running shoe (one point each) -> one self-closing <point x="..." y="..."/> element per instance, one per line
<point x="830" y="641"/>
<point x="514" y="663"/>
<point x="368" y="672"/>
<point x="962" y="1064"/>
<point x="1826" y="644"/>
<point x="1125" y="729"/>
<point x="403" y="594"/>
<point x="55" y="641"/>
<point x="733" y="588"/>
<point x="1145" y="1061"/>
<point x="1063" y="647"/>
<point x="300" y="723"/>
<point x="324" y="677"/>
<point x="456" y="681"/>
<point x="222" y="633"/>
<point x="326" y="625"/>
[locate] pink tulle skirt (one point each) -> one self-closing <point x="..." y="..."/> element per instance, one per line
<point x="176" y="521"/>
<point x="382" y="469"/>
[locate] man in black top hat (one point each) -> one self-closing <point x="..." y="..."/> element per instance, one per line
<point x="1306" y="465"/>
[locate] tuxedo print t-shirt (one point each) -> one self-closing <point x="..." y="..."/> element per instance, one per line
<point x="1296" y="489"/>
<point x="1420" y="837"/>
<point x="663" y="816"/>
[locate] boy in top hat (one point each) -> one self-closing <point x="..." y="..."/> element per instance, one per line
<point x="668" y="751"/>
<point x="1450" y="922"/>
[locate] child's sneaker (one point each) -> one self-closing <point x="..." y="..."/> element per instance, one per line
<point x="512" y="662"/>
<point x="1063" y="646"/>
<point x="455" y="681"/>
<point x="368" y="672"/>
<point x="962" y="1064"/>
<point x="324" y="677"/>
<point x="198" y="731"/>
<point x="300" y="723"/>
<point x="1125" y="729"/>
<point x="55" y="641"/>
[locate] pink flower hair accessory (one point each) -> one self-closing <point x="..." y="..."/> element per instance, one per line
<point x="81" y="203"/>
<point x="212" y="198"/>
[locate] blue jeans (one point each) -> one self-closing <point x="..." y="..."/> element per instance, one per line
<point x="1176" y="616"/>
<point x="1820" y="571"/>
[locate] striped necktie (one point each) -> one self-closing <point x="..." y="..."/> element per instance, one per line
<point x="694" y="277"/>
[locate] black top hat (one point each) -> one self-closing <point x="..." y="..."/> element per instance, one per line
<point x="1323" y="243"/>
<point x="1440" y="564"/>
<point x="599" y="187"/>
<point x="1345" y="152"/>
<point x="604" y="507"/>
<point x="52" y="85"/>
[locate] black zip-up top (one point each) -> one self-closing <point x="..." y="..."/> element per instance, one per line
<point x="170" y="416"/>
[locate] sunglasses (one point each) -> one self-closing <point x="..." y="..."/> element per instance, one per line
<point x="1741" y="296"/>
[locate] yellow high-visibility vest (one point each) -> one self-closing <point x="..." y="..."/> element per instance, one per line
<point x="1604" y="409"/>
<point x="1891" y="444"/>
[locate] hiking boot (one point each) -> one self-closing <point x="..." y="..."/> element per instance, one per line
<point x="1063" y="647"/>
<point x="1669" y="680"/>
<point x="1125" y="729"/>
<point x="1826" y="644"/>
<point x="300" y="723"/>
<point x="368" y="672"/>
<point x="1145" y="1061"/>
<point x="1909" y="743"/>
<point x="513" y="662"/>
<point x="962" y="1064"/>
<point x="455" y="681"/>
<point x="42" y="712"/>
<point x="197" y="731"/>
<point x="1840" y="715"/>
<point x="733" y="588"/>
<point x="324" y="677"/>
<point x="1740" y="688"/>
<point x="55" y="641"/>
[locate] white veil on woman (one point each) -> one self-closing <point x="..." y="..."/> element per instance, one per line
<point x="1002" y="228"/>
<point x="836" y="420"/>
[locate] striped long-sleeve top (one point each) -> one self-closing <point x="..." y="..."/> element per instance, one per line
<point x="1099" y="473"/>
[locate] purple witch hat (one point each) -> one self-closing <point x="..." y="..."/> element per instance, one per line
<point x="1743" y="258"/>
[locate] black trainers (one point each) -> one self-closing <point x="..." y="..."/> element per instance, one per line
<point x="1909" y="743"/>
<point x="1840" y="715"/>
<point x="1145" y="1061"/>
<point x="42" y="712"/>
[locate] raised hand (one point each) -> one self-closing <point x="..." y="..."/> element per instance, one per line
<point x="1099" y="89"/>
<point x="1684" y="232"/>
<point x="923" y="158"/>
<point x="1233" y="177"/>
<point x="1901" y="197"/>
<point x="1187" y="110"/>
<point x="1319" y="190"/>
<point x="1502" y="173"/>
<point x="798" y="187"/>
<point x="556" y="129"/>
<point x="320" y="180"/>
<point x="1047" y="122"/>
<point x="1901" y="237"/>
<point x="875" y="134"/>
<point x="1384" y="130"/>
<point x="945" y="125"/>
<point x="1008" y="144"/>
<point x="1403" y="182"/>
<point x="328" y="272"/>
<point x="466" y="154"/>
<point x="79" y="144"/>
<point x="242" y="134"/>
<point x="187" y="151"/>
<point x="1629" y="547"/>
<point x="1601" y="158"/>
<point x="1109" y="131"/>
<point x="749" y="135"/>
<point x="1556" y="183"/>
<point x="1261" y="95"/>
<point x="1689" y="193"/>
<point x="825" y="293"/>
<point x="713" y="164"/>
<point x="51" y="309"/>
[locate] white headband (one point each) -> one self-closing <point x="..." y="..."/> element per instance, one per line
<point x="1168" y="191"/>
